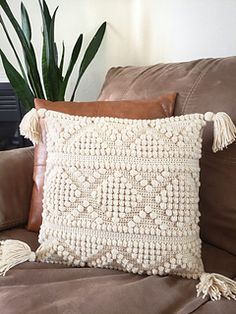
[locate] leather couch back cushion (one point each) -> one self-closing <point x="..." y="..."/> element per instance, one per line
<point x="15" y="166"/>
<point x="161" y="107"/>
<point x="202" y="85"/>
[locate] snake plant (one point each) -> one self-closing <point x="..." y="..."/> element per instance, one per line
<point x="53" y="81"/>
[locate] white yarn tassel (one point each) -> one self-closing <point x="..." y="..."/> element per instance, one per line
<point x="224" y="130"/>
<point x="12" y="253"/>
<point x="30" y="126"/>
<point x="216" y="286"/>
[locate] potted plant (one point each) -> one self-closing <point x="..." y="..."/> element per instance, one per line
<point x="27" y="82"/>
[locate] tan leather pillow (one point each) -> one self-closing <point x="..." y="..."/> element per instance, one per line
<point x="136" y="109"/>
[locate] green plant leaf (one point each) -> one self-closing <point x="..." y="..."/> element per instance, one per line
<point x="13" y="48"/>
<point x="90" y="54"/>
<point x="35" y="84"/>
<point x="21" y="87"/>
<point x="29" y="54"/>
<point x="73" y="60"/>
<point x="55" y="54"/>
<point x="46" y="19"/>
<point x="54" y="83"/>
<point x="26" y="27"/>
<point x="62" y="59"/>
<point x="47" y="15"/>
<point x="47" y="85"/>
<point x="53" y="67"/>
<point x="92" y="48"/>
<point x="51" y="73"/>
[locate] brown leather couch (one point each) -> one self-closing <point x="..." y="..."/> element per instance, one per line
<point x="202" y="85"/>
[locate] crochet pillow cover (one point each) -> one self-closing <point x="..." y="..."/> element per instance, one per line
<point x="161" y="107"/>
<point x="123" y="194"/>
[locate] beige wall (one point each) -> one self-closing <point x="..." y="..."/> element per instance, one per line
<point x="139" y="32"/>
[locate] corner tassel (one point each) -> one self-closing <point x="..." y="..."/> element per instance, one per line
<point x="30" y="126"/>
<point x="12" y="253"/>
<point x="224" y="130"/>
<point x="216" y="286"/>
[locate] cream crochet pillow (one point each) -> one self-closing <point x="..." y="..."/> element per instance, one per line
<point x="123" y="194"/>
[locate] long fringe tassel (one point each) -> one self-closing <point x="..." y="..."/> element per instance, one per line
<point x="224" y="130"/>
<point x="216" y="286"/>
<point x="12" y="253"/>
<point x="30" y="126"/>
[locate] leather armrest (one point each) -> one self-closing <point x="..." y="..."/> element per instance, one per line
<point x="16" y="169"/>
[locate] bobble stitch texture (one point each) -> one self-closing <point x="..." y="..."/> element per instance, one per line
<point x="123" y="194"/>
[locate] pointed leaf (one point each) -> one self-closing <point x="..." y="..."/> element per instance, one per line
<point x="35" y="83"/>
<point x="51" y="72"/>
<point x="47" y="15"/>
<point x="26" y="27"/>
<point x="29" y="55"/>
<point x="13" y="48"/>
<point x="92" y="48"/>
<point x="90" y="54"/>
<point x="74" y="58"/>
<point x="46" y="81"/>
<point x="20" y="86"/>
<point x="53" y="67"/>
<point x="46" y="19"/>
<point x="75" y="54"/>
<point x="62" y="59"/>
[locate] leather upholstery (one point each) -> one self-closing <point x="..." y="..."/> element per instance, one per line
<point x="159" y="108"/>
<point x="136" y="109"/>
<point x="45" y="288"/>
<point x="16" y="167"/>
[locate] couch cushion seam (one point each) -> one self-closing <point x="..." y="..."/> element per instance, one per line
<point x="194" y="87"/>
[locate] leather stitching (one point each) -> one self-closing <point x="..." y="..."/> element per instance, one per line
<point x="195" y="86"/>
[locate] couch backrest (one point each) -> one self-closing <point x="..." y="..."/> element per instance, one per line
<point x="202" y="85"/>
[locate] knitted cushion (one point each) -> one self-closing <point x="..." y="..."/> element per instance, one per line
<point x="123" y="194"/>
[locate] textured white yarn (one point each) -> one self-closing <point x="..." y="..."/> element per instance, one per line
<point x="30" y="126"/>
<point x="123" y="194"/>
<point x="12" y="253"/>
